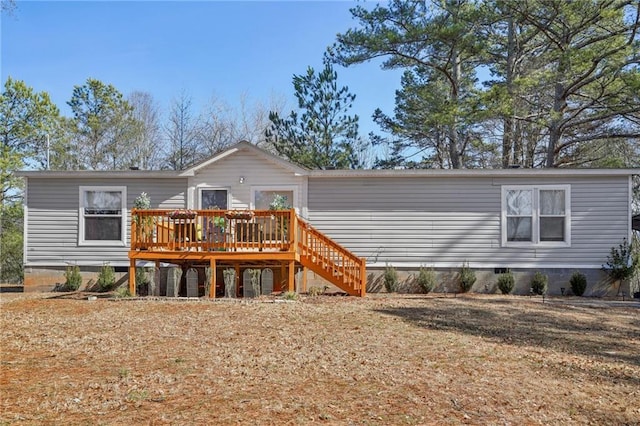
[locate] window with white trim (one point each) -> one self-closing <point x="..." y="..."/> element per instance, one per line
<point x="263" y="197"/>
<point x="102" y="215"/>
<point x="536" y="215"/>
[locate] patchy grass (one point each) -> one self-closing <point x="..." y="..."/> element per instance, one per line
<point x="337" y="360"/>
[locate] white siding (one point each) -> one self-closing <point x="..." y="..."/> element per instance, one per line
<point x="52" y="227"/>
<point x="256" y="170"/>
<point x="445" y="221"/>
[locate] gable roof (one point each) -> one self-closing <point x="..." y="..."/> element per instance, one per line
<point x="247" y="146"/>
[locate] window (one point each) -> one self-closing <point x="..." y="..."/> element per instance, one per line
<point x="536" y="215"/>
<point x="214" y="199"/>
<point x="102" y="218"/>
<point x="264" y="199"/>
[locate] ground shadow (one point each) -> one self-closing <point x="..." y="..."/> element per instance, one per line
<point x="545" y="326"/>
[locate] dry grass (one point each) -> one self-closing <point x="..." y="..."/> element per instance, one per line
<point x="333" y="360"/>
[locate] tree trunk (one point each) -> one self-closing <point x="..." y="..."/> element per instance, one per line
<point x="559" y="106"/>
<point x="555" y="131"/>
<point x="508" y="156"/>
<point x="454" y="152"/>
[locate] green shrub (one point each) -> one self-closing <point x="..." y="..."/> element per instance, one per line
<point x="621" y="263"/>
<point x="506" y="282"/>
<point x="427" y="279"/>
<point x="390" y="279"/>
<point x="578" y="282"/>
<point x="141" y="277"/>
<point x="73" y="279"/>
<point x="317" y="291"/>
<point x="466" y="278"/>
<point x="290" y="295"/>
<point x="107" y="277"/>
<point x="539" y="283"/>
<point x="122" y="292"/>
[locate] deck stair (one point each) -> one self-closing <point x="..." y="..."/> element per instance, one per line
<point x="330" y="260"/>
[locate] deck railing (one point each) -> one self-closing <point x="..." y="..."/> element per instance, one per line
<point x="211" y="230"/>
<point x="251" y="231"/>
<point x="330" y="260"/>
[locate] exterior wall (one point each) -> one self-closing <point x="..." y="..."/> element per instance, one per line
<point x="256" y="171"/>
<point x="405" y="221"/>
<point x="51" y="234"/>
<point x="442" y="222"/>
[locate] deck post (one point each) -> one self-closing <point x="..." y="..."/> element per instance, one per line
<point x="293" y="230"/>
<point x="212" y="283"/>
<point x="134" y="231"/>
<point x="132" y="277"/>
<point x="292" y="275"/>
<point x="282" y="275"/>
<point x="363" y="279"/>
<point x="304" y="279"/>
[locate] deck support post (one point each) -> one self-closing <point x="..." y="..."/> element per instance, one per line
<point x="293" y="231"/>
<point x="304" y="279"/>
<point x="363" y="279"/>
<point x="132" y="277"/>
<point x="212" y="283"/>
<point x="292" y="275"/>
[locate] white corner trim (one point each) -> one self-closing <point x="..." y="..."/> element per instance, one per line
<point x="25" y="221"/>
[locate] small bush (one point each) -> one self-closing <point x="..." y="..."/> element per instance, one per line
<point x="466" y="278"/>
<point x="290" y="295"/>
<point x="73" y="279"/>
<point x="578" y="282"/>
<point x="122" y="292"/>
<point x="427" y="279"/>
<point x="390" y="279"/>
<point x="621" y="263"/>
<point x="316" y="291"/>
<point x="107" y="277"/>
<point x="141" y="277"/>
<point x="506" y="282"/>
<point x="539" y="283"/>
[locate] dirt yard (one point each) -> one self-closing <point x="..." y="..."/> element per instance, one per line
<point x="333" y="360"/>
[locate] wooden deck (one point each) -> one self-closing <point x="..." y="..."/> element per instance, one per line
<point x="240" y="239"/>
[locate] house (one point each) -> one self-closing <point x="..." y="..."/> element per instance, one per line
<point x="551" y="220"/>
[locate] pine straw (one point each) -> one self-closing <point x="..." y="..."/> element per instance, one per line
<point x="333" y="360"/>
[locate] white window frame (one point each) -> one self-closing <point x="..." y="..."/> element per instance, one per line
<point x="535" y="220"/>
<point x="294" y="188"/>
<point x="213" y="188"/>
<point x="81" y="216"/>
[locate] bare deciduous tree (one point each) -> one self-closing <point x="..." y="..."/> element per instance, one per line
<point x="147" y="146"/>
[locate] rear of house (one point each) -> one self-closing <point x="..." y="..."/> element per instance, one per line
<point x="553" y="221"/>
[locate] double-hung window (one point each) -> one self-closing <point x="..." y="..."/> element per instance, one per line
<point x="102" y="215"/>
<point x="536" y="215"/>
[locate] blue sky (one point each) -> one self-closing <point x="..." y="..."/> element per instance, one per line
<point x="206" y="48"/>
